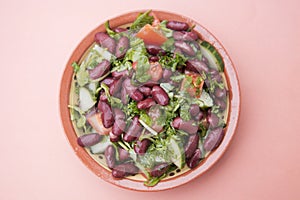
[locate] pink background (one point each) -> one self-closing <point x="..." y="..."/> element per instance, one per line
<point x="263" y="40"/>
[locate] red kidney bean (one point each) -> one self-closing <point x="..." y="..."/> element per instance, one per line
<point x="212" y="119"/>
<point x="122" y="47"/>
<point x="220" y="93"/>
<point x="194" y="110"/>
<point x="137" y="95"/>
<point x="119" y="126"/>
<point x="120" y="30"/>
<point x="177" y="26"/>
<point x="185" y="48"/>
<point x="153" y="59"/>
<point x="195" y="159"/>
<point x="123" y="154"/>
<point x="199" y="116"/>
<point x="106" y="114"/>
<point x="187" y="126"/>
<point x="146" y="103"/>
<point x="115" y="87"/>
<point x="153" y="49"/>
<point x="186" y="36"/>
<point x="110" y="156"/>
<point x="177" y="122"/>
<point x="132" y="91"/>
<point x="106" y="42"/>
<point x="101" y="69"/>
<point x="103" y="96"/>
<point x="213" y="139"/>
<point x="196" y="66"/>
<point x="145" y="90"/>
<point x="167" y="74"/>
<point x="134" y="131"/>
<point x="141" y="146"/>
<point x="125" y="169"/>
<point x="219" y="140"/>
<point x="88" y="140"/>
<point x="120" y="74"/>
<point x="113" y="137"/>
<point x="191" y="145"/>
<point x="160" y="96"/>
<point x="108" y="81"/>
<point x="159" y="169"/>
<point x="219" y="102"/>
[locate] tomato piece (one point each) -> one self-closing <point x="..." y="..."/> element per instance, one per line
<point x="193" y="84"/>
<point x="151" y="35"/>
<point x="134" y="64"/>
<point x="155" y="71"/>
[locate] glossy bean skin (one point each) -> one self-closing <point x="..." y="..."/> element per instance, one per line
<point x="120" y="124"/>
<point x="159" y="169"/>
<point x="186" y="126"/>
<point x="205" y="60"/>
<point x="123" y="170"/>
<point x="191" y="145"/>
<point x="186" y="36"/>
<point x="134" y="131"/>
<point x="106" y="42"/>
<point x="146" y="103"/>
<point x="137" y="95"/>
<point x="220" y="93"/>
<point x="222" y="104"/>
<point x="103" y="97"/>
<point x="115" y="87"/>
<point x="213" y="138"/>
<point x="108" y="81"/>
<point x="132" y="91"/>
<point x="141" y="146"/>
<point x="194" y="110"/>
<point x="145" y="90"/>
<point x="106" y="114"/>
<point x="101" y="69"/>
<point x="122" y="47"/>
<point x="123" y="155"/>
<point x="199" y="116"/>
<point x="110" y="156"/>
<point x="120" y="74"/>
<point x="154" y="49"/>
<point x="185" y="48"/>
<point x="212" y="119"/>
<point x="196" y="66"/>
<point x="195" y="159"/>
<point x="160" y="96"/>
<point x="177" y="26"/>
<point x="88" y="140"/>
<point x="167" y="74"/>
<point x="153" y="59"/>
<point x="113" y="137"/>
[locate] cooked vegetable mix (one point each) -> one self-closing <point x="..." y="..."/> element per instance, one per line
<point x="150" y="98"/>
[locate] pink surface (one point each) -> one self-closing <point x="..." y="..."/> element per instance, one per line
<point x="262" y="38"/>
